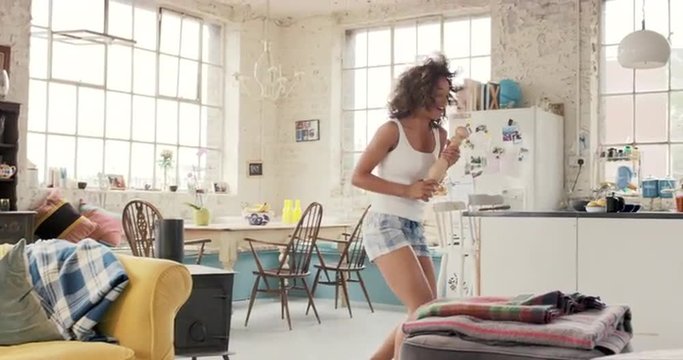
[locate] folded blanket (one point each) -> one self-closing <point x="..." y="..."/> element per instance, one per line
<point x="608" y="328"/>
<point x="535" y="309"/>
<point x="76" y="283"/>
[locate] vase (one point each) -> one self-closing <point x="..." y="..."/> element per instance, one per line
<point x="201" y="216"/>
<point x="4" y="83"/>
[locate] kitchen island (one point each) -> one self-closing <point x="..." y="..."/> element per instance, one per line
<point x="631" y="258"/>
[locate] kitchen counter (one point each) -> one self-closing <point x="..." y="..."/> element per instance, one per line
<point x="577" y="214"/>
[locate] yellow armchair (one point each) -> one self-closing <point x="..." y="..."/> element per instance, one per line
<point x="142" y="318"/>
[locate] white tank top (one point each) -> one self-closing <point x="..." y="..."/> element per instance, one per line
<point x="404" y="165"/>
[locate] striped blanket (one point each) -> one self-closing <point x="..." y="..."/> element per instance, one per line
<point x="76" y="283"/>
<point x="586" y="323"/>
<point x="536" y="309"/>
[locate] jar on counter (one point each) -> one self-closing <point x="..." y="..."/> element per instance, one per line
<point x="650" y="188"/>
<point x="679" y="199"/>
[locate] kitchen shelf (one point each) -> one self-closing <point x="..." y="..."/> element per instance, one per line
<point x="7" y="146"/>
<point x="7" y="180"/>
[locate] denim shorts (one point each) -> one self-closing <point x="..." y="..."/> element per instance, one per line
<point x="383" y="233"/>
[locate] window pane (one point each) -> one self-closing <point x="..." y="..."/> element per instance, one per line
<point x="676" y="116"/>
<point x="189" y="124"/>
<point x="39" y="12"/>
<point x="676" y="26"/>
<point x="142" y="165"/>
<point x="89" y="159"/>
<point x="481" y="31"/>
<point x="654" y="161"/>
<point x="61" y="153"/>
<point x="168" y="75"/>
<point x="167" y="121"/>
<point x="375" y="119"/>
<point x="379" y="85"/>
<point x="356" y="49"/>
<point x="116" y="157"/>
<point x="457" y="38"/>
<point x="189" y="73"/>
<point x="405" y="43"/>
<point x="614" y="78"/>
<point x="81" y="63"/>
<point x="676" y="61"/>
<point x="119" y="67"/>
<point x="118" y="115"/>
<point x="481" y="69"/>
<point x="145" y="69"/>
<point x="212" y="44"/>
<point x="356" y="125"/>
<point x="38" y="58"/>
<point x="379" y="47"/>
<point x="37" y="111"/>
<point x="68" y="15"/>
<point x="428" y="38"/>
<point x="187" y="158"/>
<point x="461" y="68"/>
<point x="617" y="114"/>
<point x="190" y="38"/>
<point x="656" y="16"/>
<point x="677" y="161"/>
<point x="652" y="79"/>
<point x="169" y="174"/>
<point x="212" y="85"/>
<point x="145" y="34"/>
<point x="212" y="163"/>
<point x="618" y="20"/>
<point x="211" y="131"/>
<point x="61" y="115"/>
<point x="170" y="33"/>
<point x="354" y="89"/>
<point x="90" y="112"/>
<point x="143" y="118"/>
<point x="651" y="117"/>
<point x="35" y="151"/>
<point x="121" y="18"/>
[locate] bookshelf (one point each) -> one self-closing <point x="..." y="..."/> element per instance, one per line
<point x="9" y="146"/>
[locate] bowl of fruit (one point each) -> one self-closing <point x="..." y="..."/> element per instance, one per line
<point x="597" y="206"/>
<point x="257" y="214"/>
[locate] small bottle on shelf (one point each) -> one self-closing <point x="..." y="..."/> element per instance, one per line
<point x="287" y="212"/>
<point x="296" y="214"/>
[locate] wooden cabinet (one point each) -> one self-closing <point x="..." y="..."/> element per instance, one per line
<point x="526" y="254"/>
<point x="638" y="262"/>
<point x="9" y="146"/>
<point x="16" y="225"/>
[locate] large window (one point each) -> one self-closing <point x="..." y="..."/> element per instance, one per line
<point x="643" y="107"/>
<point x="375" y="57"/>
<point x="103" y="106"/>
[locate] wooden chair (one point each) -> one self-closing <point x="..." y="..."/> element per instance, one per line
<point x="351" y="261"/>
<point x="294" y="264"/>
<point x="481" y="202"/>
<point x="140" y="219"/>
<point x="449" y="224"/>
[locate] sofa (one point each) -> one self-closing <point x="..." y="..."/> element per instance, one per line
<point x="141" y="319"/>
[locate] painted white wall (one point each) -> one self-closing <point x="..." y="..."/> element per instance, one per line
<point x="534" y="42"/>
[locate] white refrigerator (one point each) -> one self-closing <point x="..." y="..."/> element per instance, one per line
<point x="517" y="153"/>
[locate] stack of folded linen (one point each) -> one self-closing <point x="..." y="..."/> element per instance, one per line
<point x="552" y="325"/>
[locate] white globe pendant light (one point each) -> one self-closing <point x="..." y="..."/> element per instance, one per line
<point x="643" y="49"/>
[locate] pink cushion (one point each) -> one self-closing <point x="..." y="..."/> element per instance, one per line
<point x="57" y="219"/>
<point x="109" y="226"/>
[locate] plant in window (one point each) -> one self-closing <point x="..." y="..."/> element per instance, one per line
<point x="166" y="162"/>
<point x="194" y="185"/>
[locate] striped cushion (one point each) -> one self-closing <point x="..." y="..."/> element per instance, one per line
<point x="57" y="219"/>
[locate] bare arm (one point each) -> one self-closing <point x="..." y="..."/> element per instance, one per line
<point x="451" y="154"/>
<point x="385" y="140"/>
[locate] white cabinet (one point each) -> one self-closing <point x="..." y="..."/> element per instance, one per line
<point x="638" y="262"/>
<point x="527" y="254"/>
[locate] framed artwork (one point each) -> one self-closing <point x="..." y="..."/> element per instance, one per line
<point x="255" y="168"/>
<point x="116" y="182"/>
<point x="220" y="187"/>
<point x="5" y="52"/>
<point x="307" y="130"/>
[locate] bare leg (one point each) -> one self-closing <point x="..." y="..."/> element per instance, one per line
<point x="428" y="269"/>
<point x="403" y="273"/>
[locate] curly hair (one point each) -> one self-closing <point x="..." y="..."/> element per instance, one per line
<point x="415" y="88"/>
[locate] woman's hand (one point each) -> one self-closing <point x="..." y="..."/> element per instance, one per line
<point x="451" y="154"/>
<point x="422" y="190"/>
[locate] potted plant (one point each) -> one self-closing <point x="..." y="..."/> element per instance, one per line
<point x="201" y="214"/>
<point x="166" y="162"/>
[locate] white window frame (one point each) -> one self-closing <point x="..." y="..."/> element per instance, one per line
<point x="212" y="142"/>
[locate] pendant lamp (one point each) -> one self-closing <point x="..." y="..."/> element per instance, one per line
<point x="643" y="49"/>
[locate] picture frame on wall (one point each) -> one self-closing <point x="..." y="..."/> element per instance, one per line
<point x="255" y="168"/>
<point x="5" y="52"/>
<point x="116" y="182"/>
<point x="307" y="130"/>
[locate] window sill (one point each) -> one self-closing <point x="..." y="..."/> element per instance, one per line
<point x="133" y="191"/>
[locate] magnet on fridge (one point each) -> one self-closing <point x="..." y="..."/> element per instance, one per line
<point x="498" y="151"/>
<point x="522" y="153"/>
<point x="468" y="144"/>
<point x="481" y="128"/>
